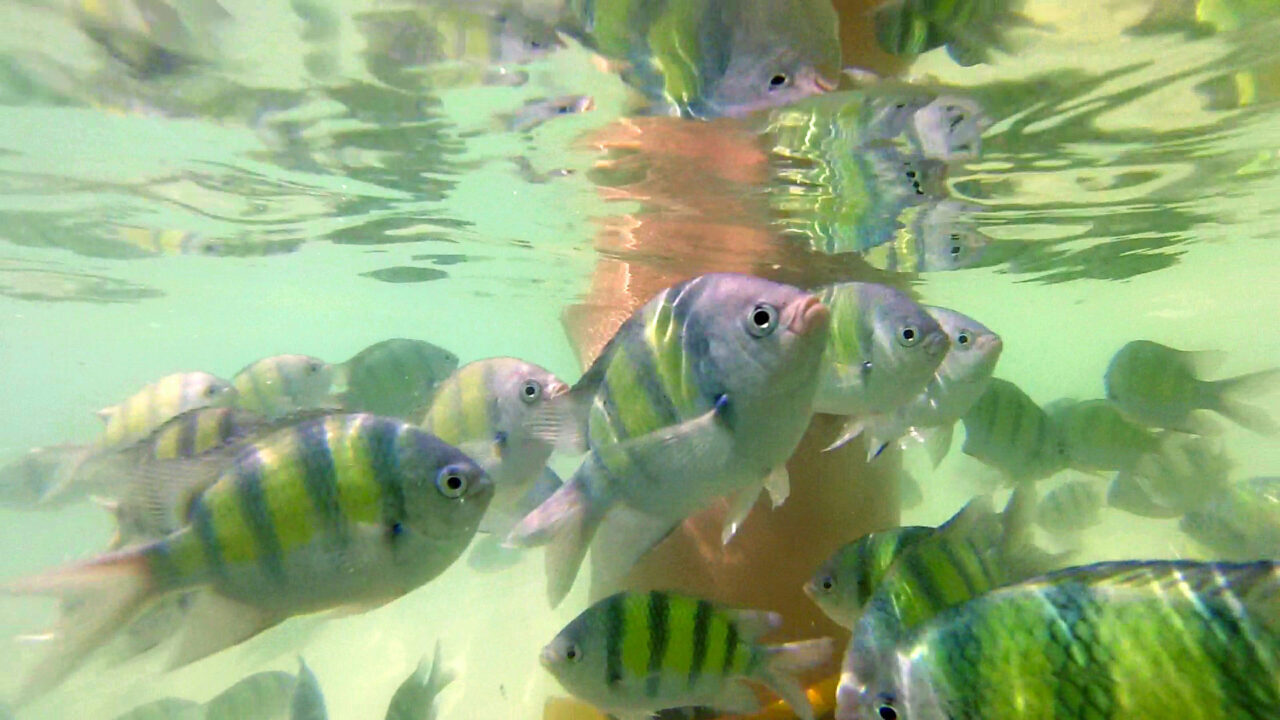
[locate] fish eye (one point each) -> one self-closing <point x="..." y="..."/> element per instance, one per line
<point x="762" y="320"/>
<point x="451" y="483"/>
<point x="313" y="366"/>
<point x="909" y="336"/>
<point x="827" y="583"/>
<point x="531" y="391"/>
<point x="211" y="391"/>
<point x="778" y="81"/>
<point x="572" y="653"/>
<point x="886" y="712"/>
<point x="963" y="338"/>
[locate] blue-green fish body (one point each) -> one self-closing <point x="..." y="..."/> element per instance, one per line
<point x="646" y="651"/>
<point x="703" y="392"/>
<point x="1096" y="436"/>
<point x="508" y="415"/>
<point x="415" y="698"/>
<point x="1184" y="474"/>
<point x="1134" y="640"/>
<point x="395" y="377"/>
<point x="710" y="58"/>
<point x="1241" y="523"/>
<point x="845" y="582"/>
<point x="1007" y="430"/>
<point x="881" y="352"/>
<point x="1159" y="386"/>
<point x="263" y="694"/>
<point x="334" y="510"/>
<point x="282" y="384"/>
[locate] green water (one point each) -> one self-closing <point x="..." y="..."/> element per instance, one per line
<point x="1121" y="201"/>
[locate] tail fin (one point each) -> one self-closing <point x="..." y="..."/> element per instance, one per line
<point x="1227" y="400"/>
<point x="1022" y="557"/>
<point x="784" y="662"/>
<point x="46" y="477"/>
<point x="566" y="522"/>
<point x="561" y="422"/>
<point x="104" y="594"/>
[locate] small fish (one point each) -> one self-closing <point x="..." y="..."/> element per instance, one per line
<point x="415" y="698"/>
<point x="843" y="584"/>
<point x="974" y="552"/>
<point x="537" y="111"/>
<point x="935" y="237"/>
<point x="144" y="411"/>
<point x="1182" y="475"/>
<point x="956" y="385"/>
<point x="1007" y="430"/>
<point x="949" y="128"/>
<point x="968" y="28"/>
<point x="508" y="415"/>
<point x="703" y="392"/>
<point x="1241" y="523"/>
<point x="336" y="510"/>
<point x="1140" y="640"/>
<point x="713" y="59"/>
<point x="1159" y="386"/>
<point x="1071" y="507"/>
<point x="43" y="478"/>
<point x="395" y="378"/>
<point x="882" y="350"/>
<point x="261" y="695"/>
<point x="281" y="384"/>
<point x="1097" y="437"/>
<point x="163" y="709"/>
<point x="307" y="702"/>
<point x="637" y="653"/>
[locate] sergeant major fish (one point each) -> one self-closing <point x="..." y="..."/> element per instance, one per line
<point x="703" y="392"/>
<point x="335" y="510"/>
<point x="1007" y="430"/>
<point x="278" y="385"/>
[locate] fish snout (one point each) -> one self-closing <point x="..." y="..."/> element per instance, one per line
<point x="990" y="343"/>
<point x="556" y="389"/>
<point x="808" y="314"/>
<point x="548" y="656"/>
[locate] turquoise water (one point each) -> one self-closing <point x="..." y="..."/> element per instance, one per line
<point x="1124" y="190"/>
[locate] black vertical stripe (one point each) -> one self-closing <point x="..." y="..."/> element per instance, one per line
<point x="730" y="647"/>
<point x="613" y="630"/>
<point x="253" y="506"/>
<point x="381" y="436"/>
<point x="187" y="432"/>
<point x="321" y="479"/>
<point x="202" y="524"/>
<point x="701" y="623"/>
<point x="659" y="616"/>
<point x="226" y="427"/>
<point x="864" y="562"/>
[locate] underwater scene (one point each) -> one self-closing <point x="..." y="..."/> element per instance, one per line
<point x="584" y="359"/>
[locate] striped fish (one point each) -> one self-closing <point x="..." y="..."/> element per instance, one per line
<point x="643" y="652"/>
<point x="845" y="581"/>
<point x="1007" y="430"/>
<point x="395" y="377"/>
<point x="138" y="415"/>
<point x="333" y="510"/>
<point x="882" y="350"/>
<point x="974" y="552"/>
<point x="1185" y="474"/>
<point x="508" y="415"/>
<point x="1097" y="437"/>
<point x="1071" y="507"/>
<point x="281" y="384"/>
<point x="1139" y="640"/>
<point x="1241" y="522"/>
<point x="936" y="236"/>
<point x="702" y="393"/>
<point x="968" y="28"/>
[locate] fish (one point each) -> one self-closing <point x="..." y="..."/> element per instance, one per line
<point x="1007" y="430"/>
<point x="708" y="58"/>
<point x="1096" y="436"/>
<point x="882" y="350"/>
<point x="974" y="552"/>
<point x="1159" y="386"/>
<point x="1183" y="475"/>
<point x="169" y="708"/>
<point x="949" y="128"/>
<point x="936" y="236"/>
<point x="395" y="378"/>
<point x="539" y="110"/>
<point x="638" y="652"/>
<point x="415" y="698"/>
<point x="1137" y="639"/>
<point x="1241" y="523"/>
<point x="1071" y="507"/>
<point x="264" y="694"/>
<point x="969" y="29"/>
<point x="141" y="413"/>
<point x="43" y="478"/>
<point x="703" y="392"/>
<point x="281" y="384"/>
<point x="960" y="379"/>
<point x="844" y="583"/>
<point x="307" y="701"/>
<point x="508" y="415"/>
<point x="341" y="510"/>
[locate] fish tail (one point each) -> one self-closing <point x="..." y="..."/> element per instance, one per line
<point x="1025" y="559"/>
<point x="784" y="662"/>
<point x="107" y="592"/>
<point x="566" y="522"/>
<point x="561" y="422"/>
<point x="1227" y="399"/>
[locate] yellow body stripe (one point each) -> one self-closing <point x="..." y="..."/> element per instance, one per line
<point x="290" y="508"/>
<point x="635" y="635"/>
<point x="358" y="492"/>
<point x="680" y="620"/>
<point x="717" y="632"/>
<point x="207" y="435"/>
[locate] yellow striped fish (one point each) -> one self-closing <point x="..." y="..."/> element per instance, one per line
<point x="1007" y="430"/>
<point x="144" y="411"/>
<point x="703" y="392"/>
<point x="278" y="385"/>
<point x="644" y="652"/>
<point x="508" y="415"/>
<point x="331" y="511"/>
<point x="1139" y="640"/>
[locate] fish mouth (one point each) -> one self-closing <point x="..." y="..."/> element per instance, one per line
<point x="809" y="313"/>
<point x="547" y="657"/>
<point x="990" y="342"/>
<point x="809" y="589"/>
<point x="556" y="389"/>
<point x="825" y="84"/>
